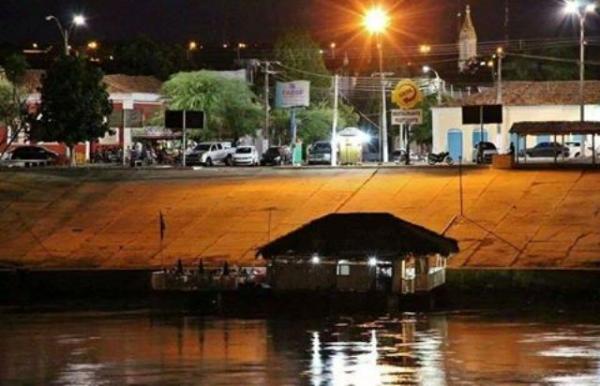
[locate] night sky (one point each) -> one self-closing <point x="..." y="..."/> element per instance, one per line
<point x="260" y="21"/>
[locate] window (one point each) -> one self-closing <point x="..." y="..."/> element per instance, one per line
<point x="343" y="269"/>
<point x="219" y="146"/>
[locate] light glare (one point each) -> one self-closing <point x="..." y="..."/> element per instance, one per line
<point x="79" y="20"/>
<point x="376" y="20"/>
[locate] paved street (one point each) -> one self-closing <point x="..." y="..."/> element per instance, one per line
<point x="109" y="218"/>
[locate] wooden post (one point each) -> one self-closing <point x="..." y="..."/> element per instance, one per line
<point x="555" y="154"/>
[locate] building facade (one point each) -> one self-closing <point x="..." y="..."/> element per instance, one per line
<point x="522" y="102"/>
<point x="135" y="100"/>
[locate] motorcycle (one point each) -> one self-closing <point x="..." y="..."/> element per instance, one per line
<point x="433" y="158"/>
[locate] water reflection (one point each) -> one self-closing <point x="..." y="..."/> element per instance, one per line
<point x="94" y="349"/>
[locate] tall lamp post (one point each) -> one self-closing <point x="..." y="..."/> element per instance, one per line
<point x="581" y="10"/>
<point x="77" y="21"/>
<point x="376" y="21"/>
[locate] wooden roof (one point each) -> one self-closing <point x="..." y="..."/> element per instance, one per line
<point x="359" y="235"/>
<point x="534" y="93"/>
<point x="555" y="127"/>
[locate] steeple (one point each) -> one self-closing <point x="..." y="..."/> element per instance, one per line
<point x="467" y="41"/>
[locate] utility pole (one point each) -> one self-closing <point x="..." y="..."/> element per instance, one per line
<point x="336" y="88"/>
<point x="383" y="138"/>
<point x="500" y="56"/>
<point x="184" y="144"/>
<point x="267" y="65"/>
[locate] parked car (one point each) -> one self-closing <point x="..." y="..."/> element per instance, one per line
<point x="31" y="155"/>
<point x="246" y="155"/>
<point x="320" y="153"/>
<point x="575" y="149"/>
<point x="211" y="153"/>
<point x="483" y="152"/>
<point x="277" y="155"/>
<point x="547" y="149"/>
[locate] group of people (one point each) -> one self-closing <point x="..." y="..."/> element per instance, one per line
<point x="151" y="154"/>
<point x="225" y="277"/>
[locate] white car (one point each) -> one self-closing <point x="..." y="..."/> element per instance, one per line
<point x="575" y="149"/>
<point x="246" y="155"/>
<point x="210" y="153"/>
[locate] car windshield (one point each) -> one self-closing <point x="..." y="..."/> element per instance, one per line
<point x="574" y="144"/>
<point x="244" y="150"/>
<point x="322" y="148"/>
<point x="202" y="147"/>
<point x="273" y="151"/>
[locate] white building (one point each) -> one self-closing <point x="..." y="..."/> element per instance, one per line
<point x="523" y="101"/>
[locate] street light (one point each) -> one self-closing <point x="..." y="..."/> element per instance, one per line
<point x="77" y="21"/>
<point x="376" y="21"/>
<point x="438" y="82"/>
<point x="93" y="45"/>
<point x="581" y="10"/>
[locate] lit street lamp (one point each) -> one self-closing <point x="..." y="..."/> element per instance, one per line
<point x="581" y="10"/>
<point x="438" y="82"/>
<point x="192" y="46"/>
<point x="78" y="21"/>
<point x="376" y="21"/>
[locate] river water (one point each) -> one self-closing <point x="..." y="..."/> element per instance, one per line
<point x="425" y="349"/>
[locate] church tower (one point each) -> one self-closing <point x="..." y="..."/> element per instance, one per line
<point x="467" y="42"/>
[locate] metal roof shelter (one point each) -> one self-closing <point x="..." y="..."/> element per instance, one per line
<point x="557" y="128"/>
<point x="353" y="236"/>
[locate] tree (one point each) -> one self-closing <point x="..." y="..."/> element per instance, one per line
<point x="143" y="56"/>
<point x="13" y="109"/>
<point x="314" y="123"/>
<point x="301" y="59"/>
<point x="74" y="104"/>
<point x="301" y="55"/>
<point x="523" y="68"/>
<point x="230" y="106"/>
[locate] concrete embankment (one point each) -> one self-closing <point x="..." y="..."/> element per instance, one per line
<point x="517" y="219"/>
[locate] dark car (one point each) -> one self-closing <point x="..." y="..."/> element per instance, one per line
<point x="547" y="149"/>
<point x="276" y="155"/>
<point x="320" y="153"/>
<point x="33" y="155"/>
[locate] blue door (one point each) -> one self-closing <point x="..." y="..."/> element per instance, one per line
<point x="543" y="138"/>
<point x="455" y="143"/>
<point x="477" y="137"/>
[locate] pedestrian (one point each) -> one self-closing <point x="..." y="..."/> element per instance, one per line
<point x="179" y="267"/>
<point x="225" y="269"/>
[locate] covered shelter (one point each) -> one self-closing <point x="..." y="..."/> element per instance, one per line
<point x="358" y="252"/>
<point x="557" y="129"/>
<point x="350" y="143"/>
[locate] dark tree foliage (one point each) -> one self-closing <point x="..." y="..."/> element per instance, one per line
<point x="143" y="56"/>
<point x="74" y="104"/>
<point x="543" y="68"/>
<point x="298" y="50"/>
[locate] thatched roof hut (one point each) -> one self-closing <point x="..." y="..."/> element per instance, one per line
<point x="356" y="235"/>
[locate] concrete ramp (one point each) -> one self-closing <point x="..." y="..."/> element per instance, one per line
<point x="109" y="219"/>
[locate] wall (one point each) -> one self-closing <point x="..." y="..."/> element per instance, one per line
<point x="447" y="118"/>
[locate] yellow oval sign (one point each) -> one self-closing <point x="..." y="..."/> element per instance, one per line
<point x="407" y="94"/>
